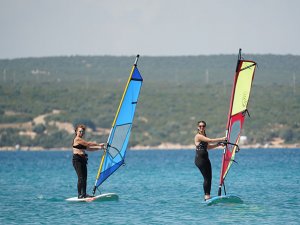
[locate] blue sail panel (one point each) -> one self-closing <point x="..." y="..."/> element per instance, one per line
<point x="105" y="174"/>
<point x="127" y="109"/>
<point x="121" y="128"/>
<point x="136" y="75"/>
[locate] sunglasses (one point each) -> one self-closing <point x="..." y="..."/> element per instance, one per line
<point x="81" y="131"/>
<point x="201" y="126"/>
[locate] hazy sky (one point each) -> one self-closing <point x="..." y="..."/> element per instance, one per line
<point x="34" y="28"/>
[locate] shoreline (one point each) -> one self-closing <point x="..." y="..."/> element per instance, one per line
<point x="164" y="146"/>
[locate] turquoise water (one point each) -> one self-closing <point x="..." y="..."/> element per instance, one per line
<point x="155" y="187"/>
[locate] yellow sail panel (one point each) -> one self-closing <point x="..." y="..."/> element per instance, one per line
<point x="243" y="87"/>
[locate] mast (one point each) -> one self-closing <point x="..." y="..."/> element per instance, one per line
<point x="136" y="60"/>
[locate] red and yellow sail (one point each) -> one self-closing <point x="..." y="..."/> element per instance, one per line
<point x="238" y="109"/>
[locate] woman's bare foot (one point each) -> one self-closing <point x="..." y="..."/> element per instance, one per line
<point x="206" y="197"/>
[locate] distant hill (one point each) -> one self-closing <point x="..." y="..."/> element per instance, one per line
<point x="177" y="92"/>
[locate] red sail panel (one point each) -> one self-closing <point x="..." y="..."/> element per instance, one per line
<point x="233" y="135"/>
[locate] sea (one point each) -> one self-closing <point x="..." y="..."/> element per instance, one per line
<point x="154" y="187"/>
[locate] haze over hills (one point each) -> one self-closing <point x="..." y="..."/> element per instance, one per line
<point x="177" y="92"/>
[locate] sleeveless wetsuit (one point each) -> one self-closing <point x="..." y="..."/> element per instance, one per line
<point x="203" y="163"/>
<point x="79" y="163"/>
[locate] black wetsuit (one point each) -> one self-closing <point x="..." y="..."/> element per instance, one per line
<point x="203" y="163"/>
<point x="79" y="163"/>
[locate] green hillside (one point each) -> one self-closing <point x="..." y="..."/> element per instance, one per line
<point x="177" y="92"/>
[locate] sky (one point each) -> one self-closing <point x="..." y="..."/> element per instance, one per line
<point x="39" y="28"/>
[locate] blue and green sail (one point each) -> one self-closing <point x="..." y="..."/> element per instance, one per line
<point x="118" y="139"/>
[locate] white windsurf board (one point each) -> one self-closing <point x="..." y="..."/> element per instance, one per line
<point x="102" y="197"/>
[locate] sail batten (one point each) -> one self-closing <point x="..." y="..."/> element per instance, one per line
<point x="240" y="95"/>
<point x="118" y="139"/>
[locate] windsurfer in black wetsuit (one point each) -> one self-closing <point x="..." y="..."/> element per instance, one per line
<point x="80" y="158"/>
<point x="201" y="159"/>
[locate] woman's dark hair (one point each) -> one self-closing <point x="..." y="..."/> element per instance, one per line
<point x="201" y="121"/>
